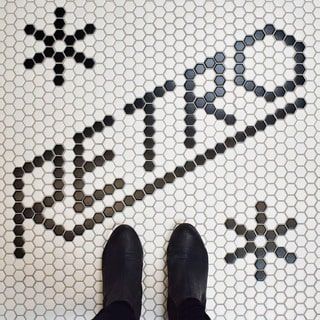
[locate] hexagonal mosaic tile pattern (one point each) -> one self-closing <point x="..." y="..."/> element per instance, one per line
<point x="154" y="113"/>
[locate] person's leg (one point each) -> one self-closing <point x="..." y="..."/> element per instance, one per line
<point x="122" y="272"/>
<point x="187" y="275"/>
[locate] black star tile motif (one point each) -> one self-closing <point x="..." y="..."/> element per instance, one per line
<point x="270" y="237"/>
<point x="59" y="56"/>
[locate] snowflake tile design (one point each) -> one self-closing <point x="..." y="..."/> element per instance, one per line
<point x="270" y="237"/>
<point x="68" y="46"/>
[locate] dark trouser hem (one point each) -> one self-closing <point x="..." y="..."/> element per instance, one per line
<point x="118" y="310"/>
<point x="189" y="309"/>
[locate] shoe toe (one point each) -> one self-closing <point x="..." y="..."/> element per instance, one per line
<point x="124" y="239"/>
<point x="186" y="238"/>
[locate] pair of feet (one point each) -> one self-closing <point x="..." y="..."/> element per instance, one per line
<point x="187" y="261"/>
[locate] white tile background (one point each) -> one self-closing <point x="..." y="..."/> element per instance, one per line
<point x="137" y="46"/>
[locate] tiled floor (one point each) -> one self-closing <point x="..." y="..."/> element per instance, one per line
<point x="153" y="113"/>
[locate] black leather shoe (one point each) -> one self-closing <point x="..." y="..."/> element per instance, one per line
<point x="122" y="269"/>
<point x="187" y="268"/>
